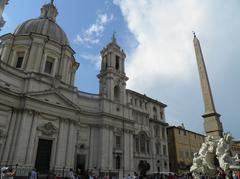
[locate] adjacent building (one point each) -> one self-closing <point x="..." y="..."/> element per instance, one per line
<point x="47" y="123"/>
<point x="3" y="3"/>
<point x="182" y="144"/>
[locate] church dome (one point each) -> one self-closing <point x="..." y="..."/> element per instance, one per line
<point x="44" y="25"/>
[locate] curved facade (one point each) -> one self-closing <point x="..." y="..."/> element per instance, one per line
<point x="47" y="123"/>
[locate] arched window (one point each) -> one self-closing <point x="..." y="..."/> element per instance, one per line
<point x="142" y="143"/>
<point x="116" y="93"/>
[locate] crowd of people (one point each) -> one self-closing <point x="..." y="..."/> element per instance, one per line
<point x="10" y="173"/>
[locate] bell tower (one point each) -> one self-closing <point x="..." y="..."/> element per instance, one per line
<point x="112" y="77"/>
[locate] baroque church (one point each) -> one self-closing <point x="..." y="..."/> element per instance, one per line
<point x="48" y="124"/>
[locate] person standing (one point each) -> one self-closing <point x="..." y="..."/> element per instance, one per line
<point x="70" y="174"/>
<point x="33" y="174"/>
<point x="129" y="176"/>
<point x="235" y="175"/>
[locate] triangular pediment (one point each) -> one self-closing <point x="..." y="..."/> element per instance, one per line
<point x="53" y="97"/>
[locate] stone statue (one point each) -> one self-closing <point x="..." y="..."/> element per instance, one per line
<point x="203" y="161"/>
<point x="212" y="150"/>
<point x="224" y="154"/>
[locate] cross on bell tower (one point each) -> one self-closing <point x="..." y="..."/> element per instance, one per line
<point x="112" y="75"/>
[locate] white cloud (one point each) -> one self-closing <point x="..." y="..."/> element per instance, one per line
<point x="163" y="30"/>
<point x="92" y="34"/>
<point x="164" y="60"/>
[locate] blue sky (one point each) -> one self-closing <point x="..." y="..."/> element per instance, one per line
<point x="157" y="38"/>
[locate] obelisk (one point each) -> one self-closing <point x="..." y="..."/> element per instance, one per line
<point x="212" y="123"/>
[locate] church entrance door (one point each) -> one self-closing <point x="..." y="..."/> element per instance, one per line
<point x="81" y="163"/>
<point x="42" y="163"/>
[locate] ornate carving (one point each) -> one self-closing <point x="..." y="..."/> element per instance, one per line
<point x="81" y="146"/>
<point x="118" y="131"/>
<point x="215" y="154"/>
<point x="48" y="129"/>
<point x="225" y="155"/>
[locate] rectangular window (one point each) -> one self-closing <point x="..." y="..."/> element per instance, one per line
<point x="117" y="63"/>
<point x="157" y="131"/>
<point x="106" y="64"/>
<point x="161" y="115"/>
<point x="163" y="133"/>
<point x="142" y="143"/>
<point x="49" y="65"/>
<point x="135" y="102"/>
<point x="148" y="147"/>
<point x="118" y="142"/>
<point x="165" y="164"/>
<point x="157" y="149"/>
<point x="19" y="62"/>
<point x="20" y="57"/>
<point x="164" y="150"/>
<point x="137" y="145"/>
<point x="118" y="162"/>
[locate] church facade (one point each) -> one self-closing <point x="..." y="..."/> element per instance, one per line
<point x="48" y="124"/>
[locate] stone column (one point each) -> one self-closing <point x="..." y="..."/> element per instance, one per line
<point x="131" y="149"/>
<point x="23" y="138"/>
<point x="62" y="145"/>
<point x="126" y="152"/>
<point x="7" y="49"/>
<point x="105" y="145"/>
<point x="7" y="146"/>
<point x="72" y="140"/>
<point x="29" y="160"/>
<point x="14" y="139"/>
<point x="35" y="55"/>
<point x="110" y="154"/>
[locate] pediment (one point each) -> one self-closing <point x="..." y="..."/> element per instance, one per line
<point x="53" y="97"/>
